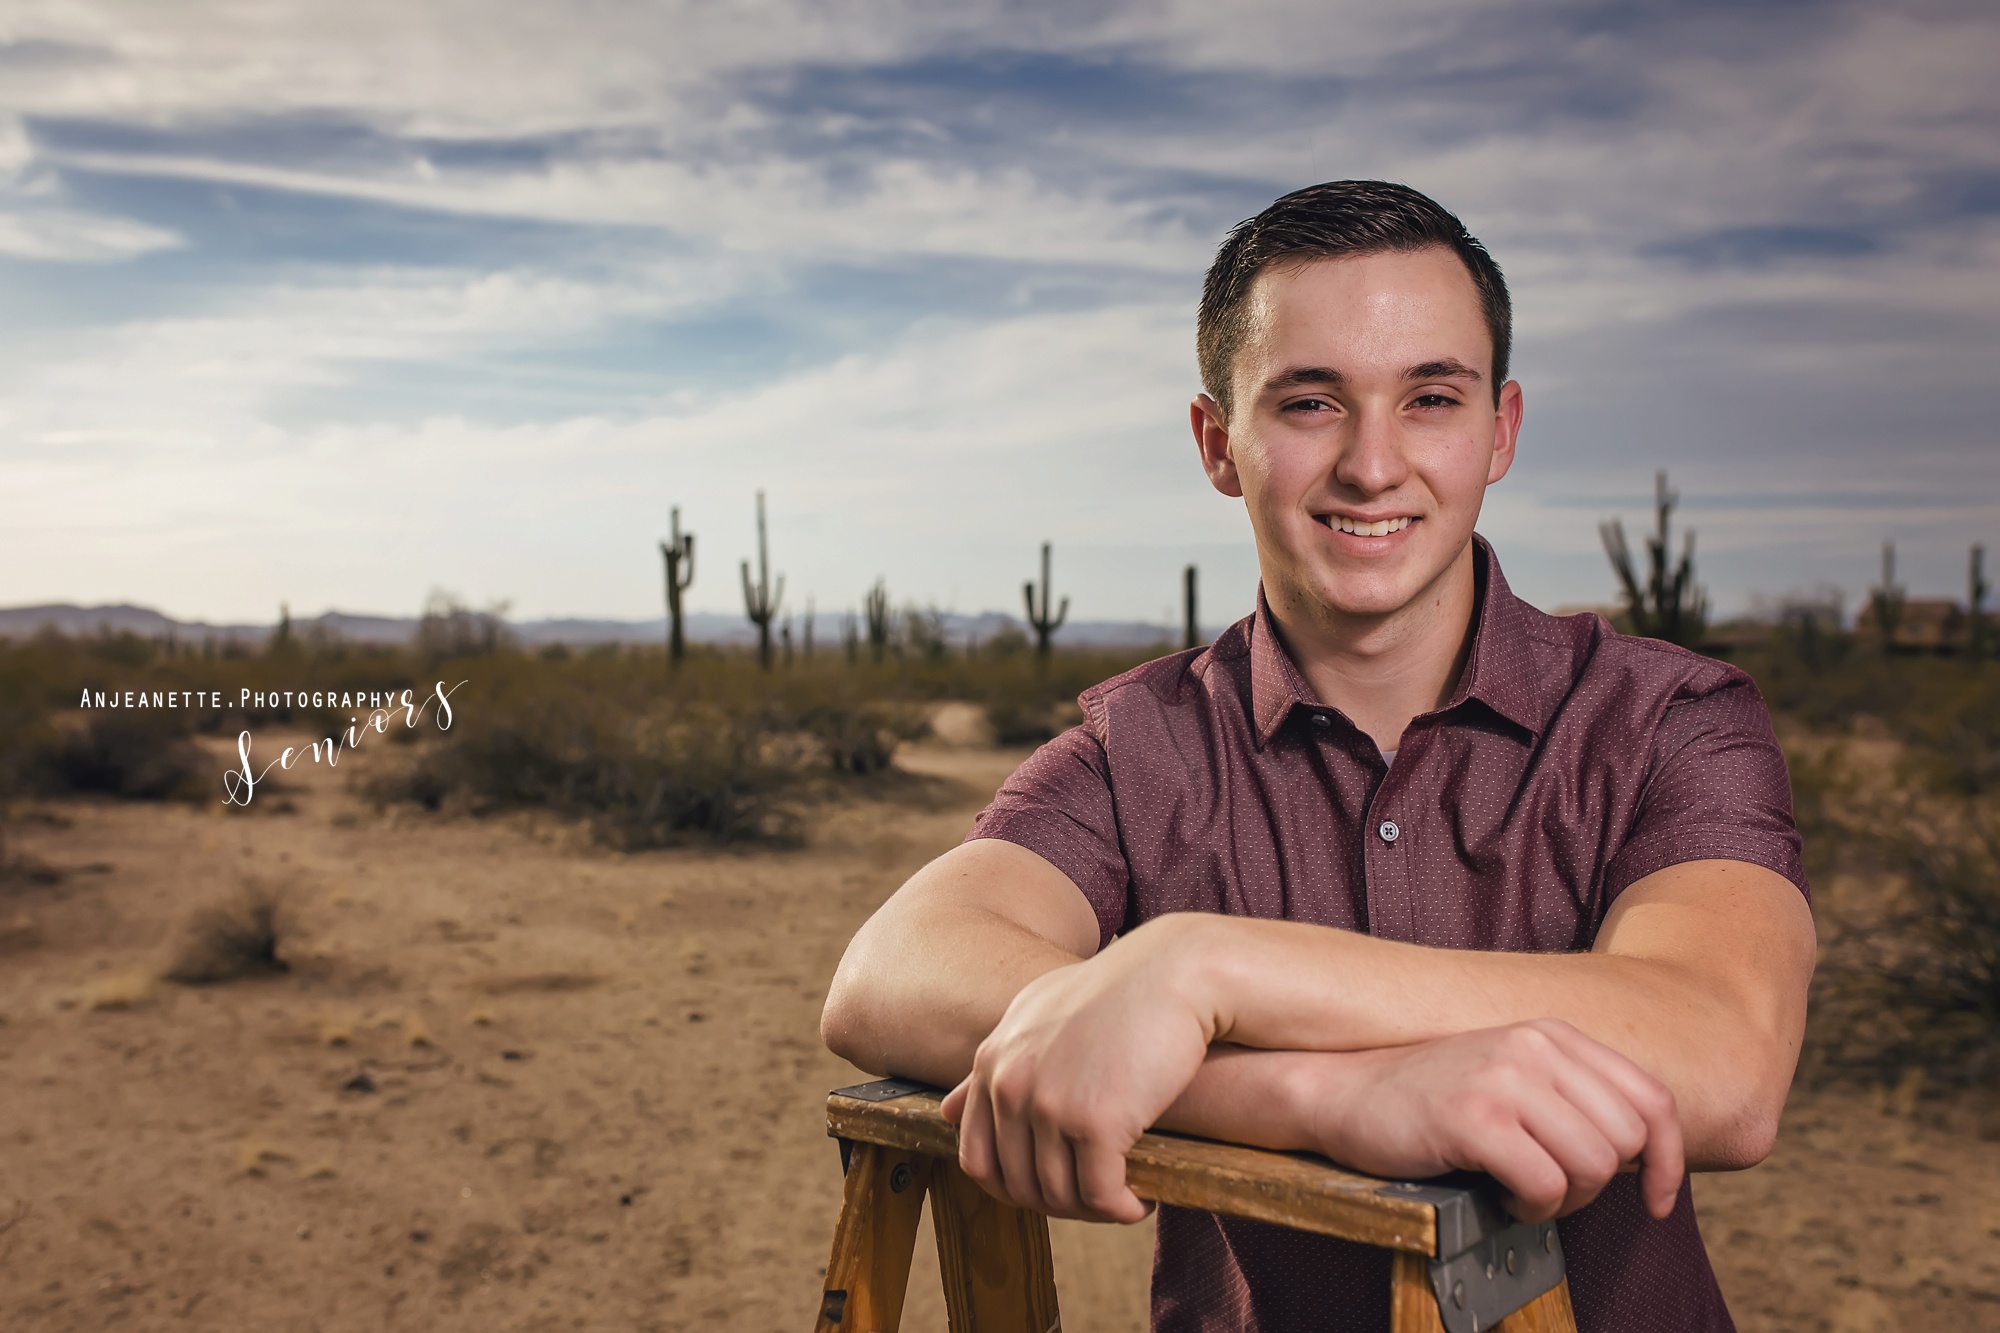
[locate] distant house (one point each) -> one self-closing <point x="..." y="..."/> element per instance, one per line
<point x="1927" y="625"/>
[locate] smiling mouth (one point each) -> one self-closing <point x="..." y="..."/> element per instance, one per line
<point x="1381" y="527"/>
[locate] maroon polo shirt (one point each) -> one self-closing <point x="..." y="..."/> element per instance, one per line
<point x="1571" y="762"/>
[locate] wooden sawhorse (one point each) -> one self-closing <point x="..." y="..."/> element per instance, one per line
<point x="1461" y="1265"/>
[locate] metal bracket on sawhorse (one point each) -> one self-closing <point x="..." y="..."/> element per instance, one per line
<point x="1487" y="1265"/>
<point x="881" y="1090"/>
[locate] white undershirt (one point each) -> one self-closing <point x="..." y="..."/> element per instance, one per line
<point x="1388" y="756"/>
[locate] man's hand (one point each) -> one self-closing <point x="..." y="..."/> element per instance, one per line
<point x="1087" y="1057"/>
<point x="1545" y="1110"/>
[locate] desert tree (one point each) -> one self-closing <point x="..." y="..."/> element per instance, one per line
<point x="678" y="553"/>
<point x="760" y="600"/>
<point x="1668" y="605"/>
<point x="1043" y="623"/>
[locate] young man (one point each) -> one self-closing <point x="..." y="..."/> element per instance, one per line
<point x="1399" y="869"/>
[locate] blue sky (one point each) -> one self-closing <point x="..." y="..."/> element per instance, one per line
<point x="335" y="304"/>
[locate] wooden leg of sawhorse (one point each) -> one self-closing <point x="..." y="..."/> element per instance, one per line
<point x="999" y="1276"/>
<point x="869" y="1271"/>
<point x="1413" y="1306"/>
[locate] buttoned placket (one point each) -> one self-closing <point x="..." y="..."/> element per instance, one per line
<point x="1385" y="883"/>
<point x="1385" y="853"/>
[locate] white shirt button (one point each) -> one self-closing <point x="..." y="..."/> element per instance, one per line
<point x="1389" y="831"/>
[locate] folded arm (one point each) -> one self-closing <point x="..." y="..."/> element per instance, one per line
<point x="1699" y="975"/>
<point x="1545" y="1069"/>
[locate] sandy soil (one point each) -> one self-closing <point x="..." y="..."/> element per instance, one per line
<point x="514" y="1082"/>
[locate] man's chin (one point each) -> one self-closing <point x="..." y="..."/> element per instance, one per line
<point x="1377" y="591"/>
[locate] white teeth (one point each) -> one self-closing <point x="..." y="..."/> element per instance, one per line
<point x="1379" y="528"/>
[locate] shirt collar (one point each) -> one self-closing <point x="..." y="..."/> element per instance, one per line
<point x="1499" y="672"/>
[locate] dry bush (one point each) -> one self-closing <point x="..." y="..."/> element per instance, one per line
<point x="140" y="756"/>
<point x="715" y="750"/>
<point x="1912" y="979"/>
<point x="241" y="936"/>
<point x="1909" y="976"/>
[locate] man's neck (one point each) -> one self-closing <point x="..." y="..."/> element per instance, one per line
<point x="1382" y="671"/>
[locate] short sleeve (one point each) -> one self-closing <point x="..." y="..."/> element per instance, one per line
<point x="1717" y="790"/>
<point x="1058" y="805"/>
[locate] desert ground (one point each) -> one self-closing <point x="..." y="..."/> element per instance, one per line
<point x="512" y="1081"/>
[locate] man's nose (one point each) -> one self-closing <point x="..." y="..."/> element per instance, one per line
<point x="1371" y="460"/>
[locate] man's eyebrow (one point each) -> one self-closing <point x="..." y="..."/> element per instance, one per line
<point x="1447" y="369"/>
<point x="1300" y="376"/>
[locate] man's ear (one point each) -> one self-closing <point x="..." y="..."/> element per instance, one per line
<point x="1211" y="440"/>
<point x="1506" y="430"/>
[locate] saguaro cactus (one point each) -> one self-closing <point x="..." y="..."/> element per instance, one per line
<point x="1886" y="602"/>
<point x="1044" y="624"/>
<point x="678" y="553"/>
<point x="1191" y="628"/>
<point x="1668" y="605"/>
<point x="876" y="605"/>
<point x="1975" y="604"/>
<point x="760" y="600"/>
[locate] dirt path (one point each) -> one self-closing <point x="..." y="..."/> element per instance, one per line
<point x="515" y="1083"/>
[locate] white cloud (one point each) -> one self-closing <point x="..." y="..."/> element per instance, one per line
<point x="71" y="237"/>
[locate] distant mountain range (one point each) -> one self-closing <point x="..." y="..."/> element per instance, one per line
<point x="22" y="622"/>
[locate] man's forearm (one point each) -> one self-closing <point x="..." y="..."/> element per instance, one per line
<point x="930" y="974"/>
<point x="1281" y="986"/>
<point x="919" y="1000"/>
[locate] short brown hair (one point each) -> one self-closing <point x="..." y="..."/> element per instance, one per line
<point x="1334" y="221"/>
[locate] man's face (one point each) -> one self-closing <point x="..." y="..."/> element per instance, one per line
<point x="1364" y="430"/>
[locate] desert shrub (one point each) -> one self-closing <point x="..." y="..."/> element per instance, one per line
<point x="1912" y="977"/>
<point x="142" y="756"/>
<point x="643" y="771"/>
<point x="241" y="936"/>
<point x="1957" y="738"/>
<point x="633" y="793"/>
<point x="716" y="749"/>
<point x="859" y="735"/>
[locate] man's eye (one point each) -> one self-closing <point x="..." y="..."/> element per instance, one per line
<point x="1309" y="405"/>
<point x="1435" y="400"/>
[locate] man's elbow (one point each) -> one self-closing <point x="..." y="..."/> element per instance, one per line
<point x="1744" y="1129"/>
<point x="846" y="1025"/>
<point x="1744" y="1142"/>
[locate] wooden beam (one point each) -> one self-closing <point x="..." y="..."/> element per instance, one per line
<point x="1294" y="1190"/>
<point x="999" y="1276"/>
<point x="868" y="1273"/>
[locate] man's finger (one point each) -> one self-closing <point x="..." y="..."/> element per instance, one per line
<point x="1536" y="1185"/>
<point x="1576" y="1144"/>
<point x="1100" y="1183"/>
<point x="1055" y="1170"/>
<point x="1663" y="1164"/>
<point x="1014" y="1145"/>
<point x="978" y="1156"/>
